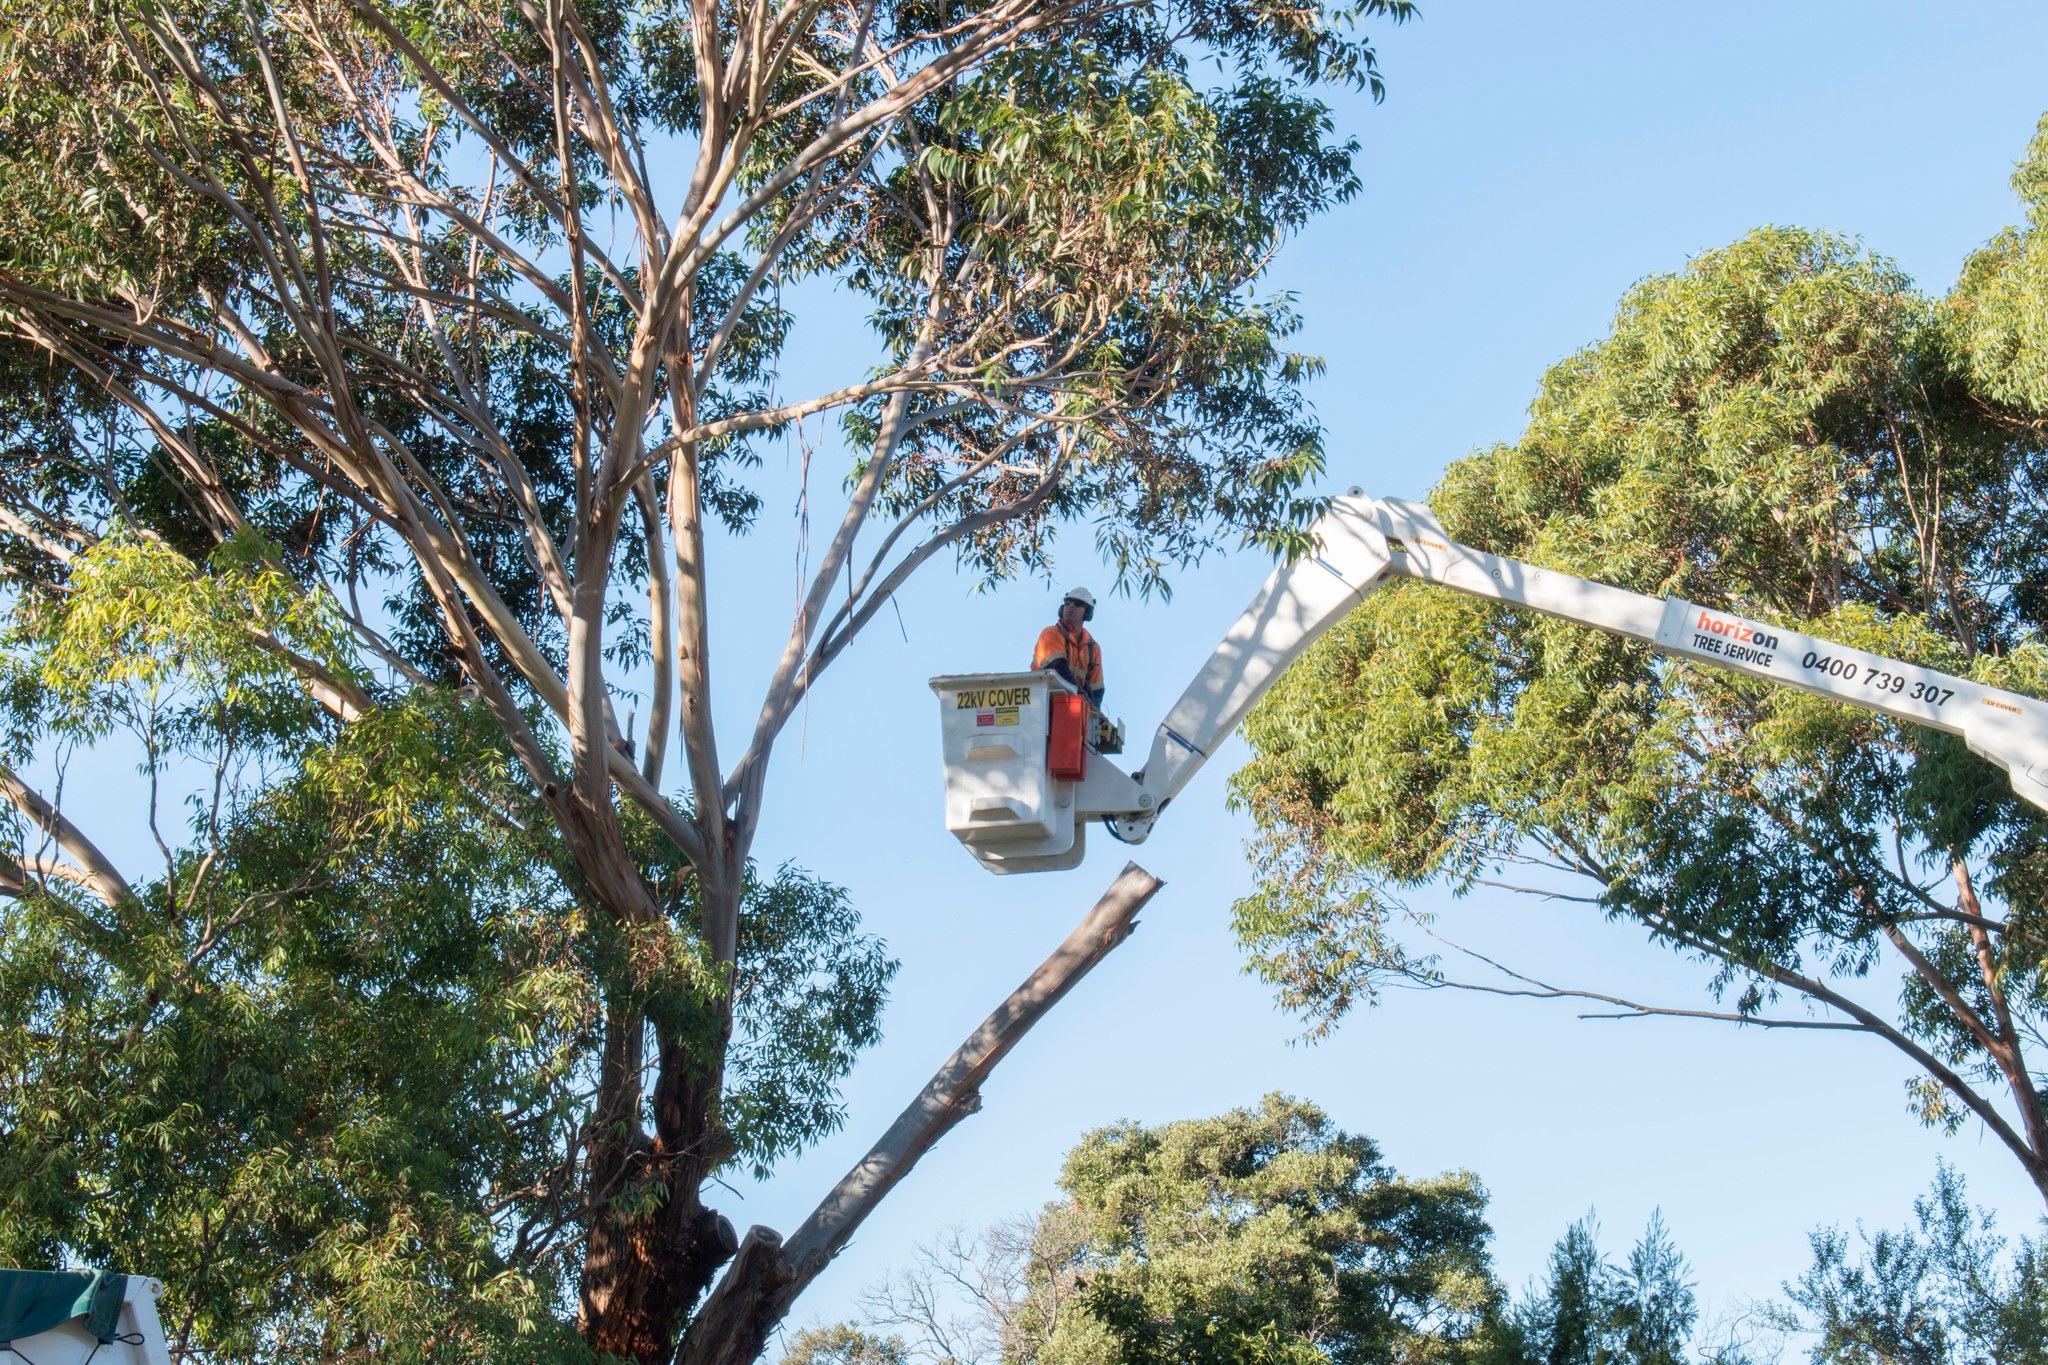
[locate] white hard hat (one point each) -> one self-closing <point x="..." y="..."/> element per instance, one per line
<point x="1085" y="598"/>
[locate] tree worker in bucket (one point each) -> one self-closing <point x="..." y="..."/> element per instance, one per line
<point x="1069" y="650"/>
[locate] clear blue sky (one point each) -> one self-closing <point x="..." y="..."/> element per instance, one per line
<point x="1529" y="164"/>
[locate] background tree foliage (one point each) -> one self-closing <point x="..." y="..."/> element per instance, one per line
<point x="844" y="1344"/>
<point x="1946" y="1291"/>
<point x="1787" y="430"/>
<point x="1589" y="1310"/>
<point x="1999" y="309"/>
<point x="1262" y="1234"/>
<point x="368" y="373"/>
<point x="1238" y="1239"/>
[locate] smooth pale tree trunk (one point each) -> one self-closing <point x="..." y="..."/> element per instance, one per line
<point x="768" y="1274"/>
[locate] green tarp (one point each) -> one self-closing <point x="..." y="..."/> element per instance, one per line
<point x="33" y="1301"/>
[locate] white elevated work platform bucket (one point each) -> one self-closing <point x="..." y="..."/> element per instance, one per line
<point x="1002" y="800"/>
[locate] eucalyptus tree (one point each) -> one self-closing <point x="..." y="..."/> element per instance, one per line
<point x="1996" y="313"/>
<point x="1263" y="1234"/>
<point x="1788" y="430"/>
<point x="396" y="359"/>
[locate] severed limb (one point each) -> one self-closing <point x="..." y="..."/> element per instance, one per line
<point x="732" y="1326"/>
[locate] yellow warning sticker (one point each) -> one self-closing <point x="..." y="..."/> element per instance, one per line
<point x="1006" y="715"/>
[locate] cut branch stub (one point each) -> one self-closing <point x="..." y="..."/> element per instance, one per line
<point x="765" y="1278"/>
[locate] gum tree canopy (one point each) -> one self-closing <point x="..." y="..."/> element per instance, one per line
<point x="1266" y="1234"/>
<point x="371" y="371"/>
<point x="1789" y="431"/>
<point x="1263" y="1234"/>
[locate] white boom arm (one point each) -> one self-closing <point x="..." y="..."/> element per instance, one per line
<point x="1362" y="543"/>
<point x="1299" y="602"/>
<point x="1016" y="814"/>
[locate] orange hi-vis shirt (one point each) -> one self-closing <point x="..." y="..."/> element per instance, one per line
<point x="1083" y="655"/>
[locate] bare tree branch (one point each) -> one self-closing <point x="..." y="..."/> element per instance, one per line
<point x="1534" y="989"/>
<point x="98" y="873"/>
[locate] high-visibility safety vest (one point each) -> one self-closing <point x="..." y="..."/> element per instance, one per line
<point x="1083" y="655"/>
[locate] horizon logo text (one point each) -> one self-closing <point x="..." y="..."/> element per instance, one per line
<point x="1741" y="632"/>
<point x="1735" y="641"/>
